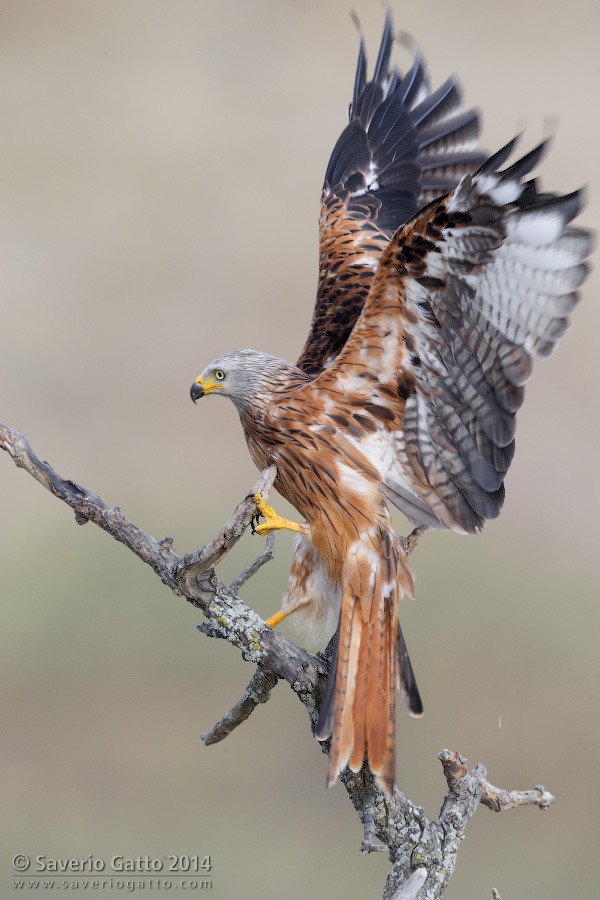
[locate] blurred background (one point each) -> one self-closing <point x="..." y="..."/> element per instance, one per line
<point x="160" y="171"/>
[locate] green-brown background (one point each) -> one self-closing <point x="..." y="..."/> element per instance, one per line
<point x="160" y="168"/>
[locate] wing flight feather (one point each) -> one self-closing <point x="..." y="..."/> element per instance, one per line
<point x="465" y="296"/>
<point x="402" y="146"/>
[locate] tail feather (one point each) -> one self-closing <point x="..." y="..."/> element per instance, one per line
<point x="371" y="661"/>
<point x="381" y="691"/>
<point x="357" y="756"/>
<point x="342" y="738"/>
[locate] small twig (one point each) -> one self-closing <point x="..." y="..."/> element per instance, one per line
<point x="265" y="557"/>
<point x="497" y="799"/>
<point x="258" y="691"/>
<point x="454" y="766"/>
<point x="463" y="783"/>
<point x="367" y="845"/>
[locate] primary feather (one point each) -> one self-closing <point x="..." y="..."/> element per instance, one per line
<point x="403" y="144"/>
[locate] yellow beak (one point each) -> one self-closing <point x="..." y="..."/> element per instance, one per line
<point x="203" y="386"/>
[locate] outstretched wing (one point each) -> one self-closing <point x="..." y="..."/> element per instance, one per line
<point x="402" y="147"/>
<point x="466" y="295"/>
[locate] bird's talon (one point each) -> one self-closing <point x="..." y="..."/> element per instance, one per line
<point x="272" y="522"/>
<point x="255" y="525"/>
<point x="263" y="530"/>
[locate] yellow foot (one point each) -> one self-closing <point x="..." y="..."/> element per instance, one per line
<point x="273" y="522"/>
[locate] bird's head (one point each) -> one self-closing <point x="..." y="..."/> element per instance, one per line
<point x="241" y="376"/>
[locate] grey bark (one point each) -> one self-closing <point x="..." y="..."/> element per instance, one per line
<point x="422" y="852"/>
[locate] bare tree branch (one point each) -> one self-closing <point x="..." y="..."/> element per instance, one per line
<point x="258" y="691"/>
<point x="265" y="557"/>
<point x="422" y="852"/>
<point x="231" y="532"/>
<point x="367" y="845"/>
<point x="462" y="782"/>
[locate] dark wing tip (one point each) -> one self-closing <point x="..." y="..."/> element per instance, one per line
<point x="324" y="725"/>
<point x="407" y="683"/>
<point x="498" y="158"/>
<point x="385" y="48"/>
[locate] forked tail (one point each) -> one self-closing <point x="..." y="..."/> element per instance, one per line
<point x="370" y="661"/>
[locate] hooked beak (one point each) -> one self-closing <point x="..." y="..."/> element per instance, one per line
<point x="197" y="389"/>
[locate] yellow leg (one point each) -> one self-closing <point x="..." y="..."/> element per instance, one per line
<point x="278" y="617"/>
<point x="273" y="521"/>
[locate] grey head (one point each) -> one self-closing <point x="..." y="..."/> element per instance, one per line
<point x="244" y="376"/>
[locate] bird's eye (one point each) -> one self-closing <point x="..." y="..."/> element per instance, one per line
<point x="219" y="374"/>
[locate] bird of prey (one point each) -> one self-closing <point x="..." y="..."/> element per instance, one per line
<point x="443" y="275"/>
